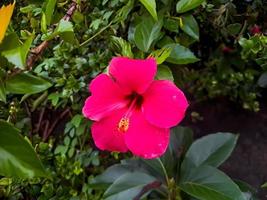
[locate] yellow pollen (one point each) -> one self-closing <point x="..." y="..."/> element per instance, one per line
<point x="123" y="125"/>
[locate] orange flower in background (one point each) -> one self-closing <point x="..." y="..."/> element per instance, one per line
<point x="5" y="16"/>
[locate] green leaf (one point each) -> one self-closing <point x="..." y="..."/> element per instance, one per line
<point x="121" y="46"/>
<point x="172" y="24"/>
<point x="111" y="174"/>
<point x="164" y="73"/>
<point x="25" y="83"/>
<point x="17" y="157"/>
<point x="234" y="28"/>
<point x="190" y="26"/>
<point x="64" y="30"/>
<point x="248" y="191"/>
<point x="150" y="5"/>
<point x="128" y="186"/>
<point x="180" y="140"/>
<point x="76" y="120"/>
<point x="208" y="183"/>
<point x="43" y="24"/>
<point x="262" y="82"/>
<point x="186" y="5"/>
<point x="17" y="56"/>
<point x="212" y="150"/>
<point x="49" y="10"/>
<point x="181" y="55"/>
<point x="146" y="33"/>
<point x="2" y="92"/>
<point x="161" y="55"/>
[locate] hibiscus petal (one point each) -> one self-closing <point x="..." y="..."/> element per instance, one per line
<point x="133" y="75"/>
<point x="106" y="135"/>
<point x="144" y="139"/>
<point x="106" y="97"/>
<point x="164" y="104"/>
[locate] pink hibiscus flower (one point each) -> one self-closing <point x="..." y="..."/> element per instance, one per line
<point x="131" y="110"/>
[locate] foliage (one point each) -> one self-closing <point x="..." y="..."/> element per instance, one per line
<point x="50" y="53"/>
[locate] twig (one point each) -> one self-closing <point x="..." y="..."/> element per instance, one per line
<point x="52" y="127"/>
<point x="40" y="120"/>
<point x="36" y="52"/>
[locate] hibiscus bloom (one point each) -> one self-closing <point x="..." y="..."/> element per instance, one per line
<point x="5" y="16"/>
<point x="131" y="110"/>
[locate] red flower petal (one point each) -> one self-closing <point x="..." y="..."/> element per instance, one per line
<point x="133" y="75"/>
<point x="164" y="104"/>
<point x="106" y="134"/>
<point x="144" y="139"/>
<point x="106" y="97"/>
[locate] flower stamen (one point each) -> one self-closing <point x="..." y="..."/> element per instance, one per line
<point x="123" y="125"/>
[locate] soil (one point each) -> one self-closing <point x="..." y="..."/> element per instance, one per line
<point x="249" y="159"/>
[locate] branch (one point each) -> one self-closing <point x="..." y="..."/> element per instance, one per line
<point x="36" y="52"/>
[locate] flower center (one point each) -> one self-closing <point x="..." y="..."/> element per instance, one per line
<point x="135" y="103"/>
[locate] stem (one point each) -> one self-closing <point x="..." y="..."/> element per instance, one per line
<point x="164" y="171"/>
<point x="98" y="33"/>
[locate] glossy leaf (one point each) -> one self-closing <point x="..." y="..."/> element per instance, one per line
<point x="181" y="55"/>
<point x="146" y="33"/>
<point x="18" y="55"/>
<point x="25" y="83"/>
<point x="150" y="5"/>
<point x="181" y="139"/>
<point x="128" y="186"/>
<point x="186" y="5"/>
<point x="164" y="73"/>
<point x="17" y="156"/>
<point x="212" y="150"/>
<point x="208" y="183"/>
<point x="190" y="26"/>
<point x="111" y="174"/>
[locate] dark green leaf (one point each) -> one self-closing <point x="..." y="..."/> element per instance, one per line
<point x="181" y="139"/>
<point x="181" y="55"/>
<point x="17" y="157"/>
<point x="25" y="83"/>
<point x="146" y="33"/>
<point x="128" y="186"/>
<point x="208" y="183"/>
<point x="150" y="5"/>
<point x="172" y="25"/>
<point x="234" y="28"/>
<point x="110" y="175"/>
<point x="186" y="5"/>
<point x="164" y="73"/>
<point x="190" y="26"/>
<point x="212" y="150"/>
